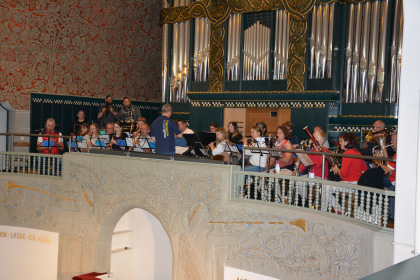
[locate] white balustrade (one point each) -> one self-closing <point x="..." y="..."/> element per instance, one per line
<point x="31" y="164"/>
<point x="348" y="201"/>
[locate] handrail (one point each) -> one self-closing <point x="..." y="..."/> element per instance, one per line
<point x="31" y="164"/>
<point x="353" y="203"/>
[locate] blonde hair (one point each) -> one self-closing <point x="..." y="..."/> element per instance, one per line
<point x="224" y="134"/>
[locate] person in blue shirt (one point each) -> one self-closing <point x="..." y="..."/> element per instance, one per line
<point x="163" y="131"/>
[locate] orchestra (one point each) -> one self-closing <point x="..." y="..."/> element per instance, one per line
<point x="229" y="143"/>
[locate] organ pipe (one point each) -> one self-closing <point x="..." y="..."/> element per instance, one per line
<point x="281" y="45"/>
<point x="201" y="49"/>
<point x="256" y="52"/>
<point x="381" y="53"/>
<point x="321" y="41"/>
<point x="180" y="58"/>
<point x="396" y="54"/>
<point x="366" y="52"/>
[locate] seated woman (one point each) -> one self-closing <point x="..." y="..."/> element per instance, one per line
<point x="213" y="127"/>
<point x="117" y="135"/>
<point x="320" y="137"/>
<point x="283" y="165"/>
<point x="218" y="147"/>
<point x="234" y="136"/>
<point x="84" y="127"/>
<point x="93" y="136"/>
<point x="258" y="160"/>
<point x="351" y="168"/>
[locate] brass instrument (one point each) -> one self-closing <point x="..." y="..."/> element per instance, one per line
<point x="369" y="135"/>
<point x="381" y="152"/>
<point x="305" y="144"/>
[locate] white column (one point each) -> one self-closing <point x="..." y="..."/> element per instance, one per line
<point x="408" y="164"/>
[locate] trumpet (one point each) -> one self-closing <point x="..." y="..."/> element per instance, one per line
<point x="369" y="135"/>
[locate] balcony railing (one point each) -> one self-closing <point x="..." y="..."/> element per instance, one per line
<point x="31" y="164"/>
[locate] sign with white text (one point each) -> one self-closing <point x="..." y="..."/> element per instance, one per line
<point x="28" y="253"/>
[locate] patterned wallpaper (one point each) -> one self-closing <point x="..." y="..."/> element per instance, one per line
<point x="79" y="47"/>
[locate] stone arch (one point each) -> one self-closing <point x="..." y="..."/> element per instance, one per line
<point x="106" y="230"/>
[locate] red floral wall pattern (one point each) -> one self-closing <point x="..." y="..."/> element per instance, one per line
<point x="83" y="48"/>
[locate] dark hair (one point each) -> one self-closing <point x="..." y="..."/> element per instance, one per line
<point x="181" y="120"/>
<point x="83" y="125"/>
<point x="81" y="110"/>
<point x="215" y="124"/>
<point x="235" y="128"/>
<point x="120" y="124"/>
<point x="263" y="126"/>
<point x="257" y="129"/>
<point x="109" y="95"/>
<point x="351" y="140"/>
<point x="285" y="131"/>
<point x="126" y="97"/>
<point x="289" y="125"/>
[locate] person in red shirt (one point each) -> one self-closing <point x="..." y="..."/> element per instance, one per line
<point x="351" y="168"/>
<point x="391" y="169"/>
<point x="320" y="136"/>
<point x="58" y="142"/>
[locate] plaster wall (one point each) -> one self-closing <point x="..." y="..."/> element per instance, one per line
<point x="207" y="231"/>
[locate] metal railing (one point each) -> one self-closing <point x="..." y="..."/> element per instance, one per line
<point x="351" y="202"/>
<point x="31" y="164"/>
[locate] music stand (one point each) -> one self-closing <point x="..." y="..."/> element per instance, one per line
<point x="121" y="143"/>
<point x="206" y="137"/>
<point x="200" y="150"/>
<point x="191" y="139"/>
<point x="231" y="148"/>
<point x="147" y="143"/>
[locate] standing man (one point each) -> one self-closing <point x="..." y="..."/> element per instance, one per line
<point x="129" y="113"/>
<point x="108" y="113"/>
<point x="57" y="144"/>
<point x="163" y="131"/>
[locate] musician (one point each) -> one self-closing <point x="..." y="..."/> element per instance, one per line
<point x="75" y="125"/>
<point x="391" y="169"/>
<point x="234" y="136"/>
<point x="263" y="127"/>
<point x="144" y="135"/>
<point x="351" y="168"/>
<point x="109" y="129"/>
<point x="58" y="141"/>
<point x="92" y="136"/>
<point x="108" y="113"/>
<point x="182" y="125"/>
<point x="218" y="147"/>
<point x="84" y="129"/>
<point x="367" y="146"/>
<point x="117" y="135"/>
<point x="258" y="160"/>
<point x="324" y="144"/>
<point x="163" y="131"/>
<point x="213" y="127"/>
<point x="283" y="165"/>
<point x="293" y="138"/>
<point x="320" y="137"/>
<point x="139" y="124"/>
<point x="128" y="112"/>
